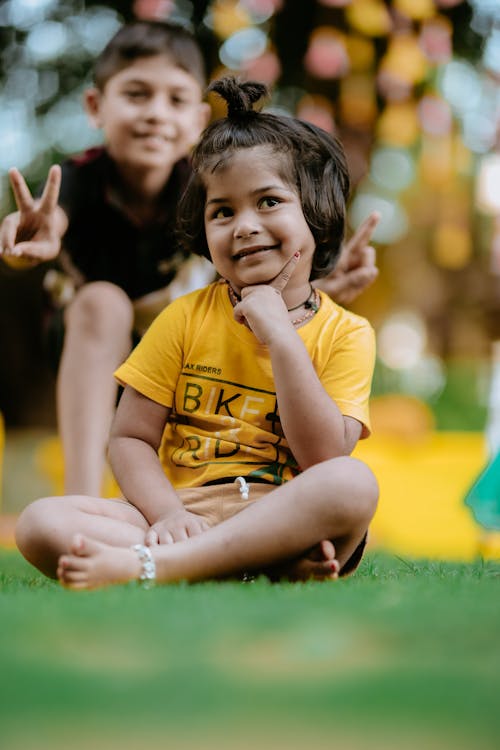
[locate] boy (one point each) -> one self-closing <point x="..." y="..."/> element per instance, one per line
<point x="148" y="101"/>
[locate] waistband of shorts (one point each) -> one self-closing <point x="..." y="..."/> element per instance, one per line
<point x="249" y="480"/>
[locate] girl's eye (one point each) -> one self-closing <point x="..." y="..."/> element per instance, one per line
<point x="269" y="202"/>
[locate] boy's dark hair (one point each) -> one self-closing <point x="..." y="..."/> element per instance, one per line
<point x="145" y="39"/>
<point x="309" y="159"/>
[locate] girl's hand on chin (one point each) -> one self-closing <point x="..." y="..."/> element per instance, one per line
<point x="262" y="308"/>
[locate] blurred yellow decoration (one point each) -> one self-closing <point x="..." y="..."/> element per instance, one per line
<point x="452" y="246"/>
<point x="228" y="17"/>
<point x="361" y="53"/>
<point x="421" y="511"/>
<point x="436" y="160"/>
<point x="462" y="157"/>
<point x="217" y="103"/>
<point x="357" y="102"/>
<point x="370" y="17"/>
<point x="418" y="10"/>
<point x="404" y="59"/>
<point x="401" y="416"/>
<point x="398" y="124"/>
<point x="49" y="461"/>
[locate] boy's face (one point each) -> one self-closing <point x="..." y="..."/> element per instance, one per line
<point x="151" y="113"/>
<point x="254" y="221"/>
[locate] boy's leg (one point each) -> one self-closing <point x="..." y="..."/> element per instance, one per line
<point x="333" y="500"/>
<point x="97" y="339"/>
<point x="46" y="527"/>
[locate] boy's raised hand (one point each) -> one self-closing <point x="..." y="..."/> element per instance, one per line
<point x="356" y="267"/>
<point x="33" y="233"/>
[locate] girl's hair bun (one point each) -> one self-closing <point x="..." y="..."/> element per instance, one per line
<point x="240" y="96"/>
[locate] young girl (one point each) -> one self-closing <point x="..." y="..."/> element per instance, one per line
<point x="244" y="399"/>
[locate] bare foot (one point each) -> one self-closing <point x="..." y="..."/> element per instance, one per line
<point x="318" y="564"/>
<point x="94" y="564"/>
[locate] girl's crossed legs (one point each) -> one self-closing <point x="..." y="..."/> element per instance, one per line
<point x="289" y="531"/>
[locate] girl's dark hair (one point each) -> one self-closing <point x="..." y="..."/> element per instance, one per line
<point x="145" y="39"/>
<point x="309" y="159"/>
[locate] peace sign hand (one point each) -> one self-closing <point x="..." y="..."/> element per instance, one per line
<point x="262" y="307"/>
<point x="33" y="233"/>
<point x="356" y="267"/>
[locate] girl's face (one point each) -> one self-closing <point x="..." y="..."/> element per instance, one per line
<point x="254" y="221"/>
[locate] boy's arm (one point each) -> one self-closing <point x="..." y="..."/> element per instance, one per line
<point x="133" y="452"/>
<point x="194" y="273"/>
<point x="33" y="233"/>
<point x="356" y="267"/>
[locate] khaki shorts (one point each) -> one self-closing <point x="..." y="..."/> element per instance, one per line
<point x="218" y="502"/>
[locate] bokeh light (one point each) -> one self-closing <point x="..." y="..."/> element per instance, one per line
<point x="460" y="85"/>
<point x="392" y="169"/>
<point x="47" y="41"/>
<point x="393" y="224"/>
<point x="326" y="55"/>
<point x="370" y="17"/>
<point x="452" y="245"/>
<point x="242" y="47"/>
<point x="488" y="185"/>
<point x="402" y="340"/>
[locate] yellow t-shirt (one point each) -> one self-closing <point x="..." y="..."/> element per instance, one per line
<point x="217" y="379"/>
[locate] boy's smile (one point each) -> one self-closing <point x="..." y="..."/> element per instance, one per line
<point x="254" y="222"/>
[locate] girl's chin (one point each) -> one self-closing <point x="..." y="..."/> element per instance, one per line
<point x="256" y="280"/>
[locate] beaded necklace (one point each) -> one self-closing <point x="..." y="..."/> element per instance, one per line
<point x="311" y="304"/>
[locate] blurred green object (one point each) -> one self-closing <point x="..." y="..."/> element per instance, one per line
<point x="483" y="498"/>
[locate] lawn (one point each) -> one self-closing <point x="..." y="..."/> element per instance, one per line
<point x="405" y="654"/>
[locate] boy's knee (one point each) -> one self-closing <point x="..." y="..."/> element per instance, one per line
<point x="99" y="307"/>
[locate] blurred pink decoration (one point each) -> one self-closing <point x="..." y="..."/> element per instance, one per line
<point x="435" y="40"/>
<point x="265" y="68"/>
<point x="326" y="56"/>
<point x="317" y="111"/>
<point x="153" y="10"/>
<point x="435" y="115"/>
<point x="263" y="7"/>
<point x="392" y="87"/>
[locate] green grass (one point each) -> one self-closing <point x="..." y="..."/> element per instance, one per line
<point x="404" y="654"/>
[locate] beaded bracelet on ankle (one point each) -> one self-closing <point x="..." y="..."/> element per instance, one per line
<point x="148" y="566"/>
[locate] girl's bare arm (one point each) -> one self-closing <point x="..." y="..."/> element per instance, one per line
<point x="134" y="441"/>
<point x="312" y="422"/>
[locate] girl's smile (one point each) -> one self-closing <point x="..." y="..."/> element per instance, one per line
<point x="254" y="222"/>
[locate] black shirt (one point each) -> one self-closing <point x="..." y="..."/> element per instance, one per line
<point x="102" y="243"/>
